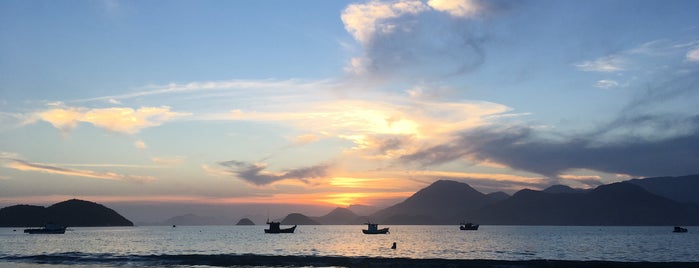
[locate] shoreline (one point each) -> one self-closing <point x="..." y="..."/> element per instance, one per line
<point x="233" y="260"/>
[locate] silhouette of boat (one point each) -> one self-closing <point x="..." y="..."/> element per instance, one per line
<point x="47" y="229"/>
<point x="679" y="229"/>
<point x="468" y="226"/>
<point x="373" y="228"/>
<point x="274" y="228"/>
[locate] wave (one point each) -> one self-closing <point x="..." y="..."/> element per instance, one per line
<point x="232" y="260"/>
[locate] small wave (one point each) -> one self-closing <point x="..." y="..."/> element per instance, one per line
<point x="232" y="260"/>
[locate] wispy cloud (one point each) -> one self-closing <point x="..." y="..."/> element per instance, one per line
<point x="203" y="86"/>
<point x="606" y="64"/>
<point x="606" y="84"/>
<point x="22" y="165"/>
<point x="255" y="173"/>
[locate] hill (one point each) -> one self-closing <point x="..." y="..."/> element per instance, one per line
<point x="442" y="202"/>
<point x="340" y="216"/>
<point x="298" y="219"/>
<point x="684" y="189"/>
<point x="74" y="212"/>
<point x="245" y="221"/>
<point x="613" y="204"/>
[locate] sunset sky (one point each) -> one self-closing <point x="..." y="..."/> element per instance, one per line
<point x="331" y="103"/>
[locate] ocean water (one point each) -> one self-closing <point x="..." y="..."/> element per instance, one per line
<point x="205" y="246"/>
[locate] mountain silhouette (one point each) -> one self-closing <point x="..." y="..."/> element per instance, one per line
<point x="442" y="202"/>
<point x="684" y="189"/>
<point x="613" y="204"/>
<point x="562" y="189"/>
<point x="245" y="221"/>
<point x="298" y="219"/>
<point x="340" y="216"/>
<point x="74" y="213"/>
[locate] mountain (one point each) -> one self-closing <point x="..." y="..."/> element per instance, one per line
<point x="442" y="202"/>
<point x="245" y="221"/>
<point x="298" y="219"/>
<point x="562" y="189"/>
<point x="613" y="204"/>
<point x="497" y="197"/>
<point x="684" y="189"/>
<point x="340" y="216"/>
<point x="363" y="210"/>
<point x="74" y="213"/>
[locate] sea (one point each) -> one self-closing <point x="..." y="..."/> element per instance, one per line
<point x="342" y="246"/>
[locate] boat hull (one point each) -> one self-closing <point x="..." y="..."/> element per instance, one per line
<point x="281" y="231"/>
<point x="45" y="231"/>
<point x="379" y="231"/>
<point x="469" y="227"/>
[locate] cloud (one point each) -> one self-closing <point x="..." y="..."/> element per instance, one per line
<point x="591" y="181"/>
<point x="382" y="129"/>
<point x="169" y="161"/>
<point x="413" y="40"/>
<point x="522" y="148"/>
<point x="256" y="174"/>
<point x="306" y="139"/>
<point x="19" y="164"/>
<point x="140" y="144"/>
<point x="693" y="54"/>
<point x="117" y="119"/>
<point x="203" y="86"/>
<point x="606" y="84"/>
<point x="456" y="8"/>
<point x="613" y="63"/>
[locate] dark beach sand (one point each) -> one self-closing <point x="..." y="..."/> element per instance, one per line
<point x="250" y="260"/>
<point x="317" y="261"/>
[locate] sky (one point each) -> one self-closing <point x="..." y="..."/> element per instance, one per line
<point x="315" y="104"/>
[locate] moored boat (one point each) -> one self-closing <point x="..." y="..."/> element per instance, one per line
<point x="679" y="229"/>
<point x="373" y="228"/>
<point x="47" y="229"/>
<point x="468" y="226"/>
<point x="275" y="229"/>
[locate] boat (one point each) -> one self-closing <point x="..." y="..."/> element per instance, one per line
<point x="679" y="229"/>
<point x="47" y="229"/>
<point x="274" y="228"/>
<point x="468" y="226"/>
<point x="373" y="228"/>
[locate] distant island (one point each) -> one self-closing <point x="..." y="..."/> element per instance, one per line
<point x="245" y="221"/>
<point x="73" y="213"/>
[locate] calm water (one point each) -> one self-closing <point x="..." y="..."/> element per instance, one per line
<point x="153" y="246"/>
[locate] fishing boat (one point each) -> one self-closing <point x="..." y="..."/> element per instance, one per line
<point x="679" y="229"/>
<point x="373" y="228"/>
<point x="47" y="229"/>
<point x="275" y="229"/>
<point x="468" y="226"/>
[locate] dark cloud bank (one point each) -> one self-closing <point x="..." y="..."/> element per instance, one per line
<point x="521" y="148"/>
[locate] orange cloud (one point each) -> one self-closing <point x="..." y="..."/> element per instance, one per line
<point x="117" y="119"/>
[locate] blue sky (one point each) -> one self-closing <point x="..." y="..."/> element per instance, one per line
<point x="326" y="103"/>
